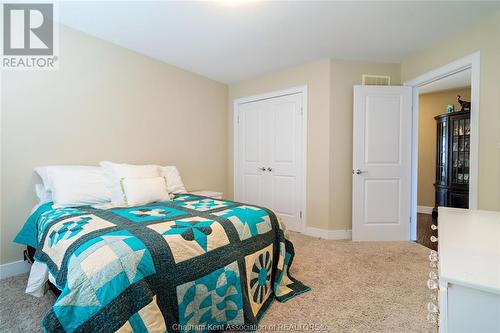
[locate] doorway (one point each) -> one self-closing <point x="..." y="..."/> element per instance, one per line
<point x="455" y="159"/>
<point x="443" y="148"/>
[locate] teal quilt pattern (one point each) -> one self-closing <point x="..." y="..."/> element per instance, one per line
<point x="193" y="264"/>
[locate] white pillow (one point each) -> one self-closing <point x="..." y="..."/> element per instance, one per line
<point x="74" y="186"/>
<point x="114" y="172"/>
<point x="142" y="191"/>
<point x="174" y="180"/>
<point x="42" y="194"/>
<point x="43" y="172"/>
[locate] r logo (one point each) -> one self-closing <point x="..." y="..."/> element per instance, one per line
<point x="28" y="29"/>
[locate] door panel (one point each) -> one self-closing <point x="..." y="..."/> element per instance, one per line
<point x="274" y="127"/>
<point x="382" y="209"/>
<point x="284" y="202"/>
<point x="251" y="153"/>
<point x="284" y="132"/>
<point x="252" y="185"/>
<point x="382" y="116"/>
<point x="382" y="154"/>
<point x="285" y="158"/>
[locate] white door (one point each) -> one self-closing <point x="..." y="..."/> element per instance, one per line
<point x="251" y="164"/>
<point x="269" y="158"/>
<point x="381" y="163"/>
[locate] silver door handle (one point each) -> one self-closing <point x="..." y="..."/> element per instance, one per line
<point x="357" y="171"/>
<point x="262" y="169"/>
<point x="269" y="169"/>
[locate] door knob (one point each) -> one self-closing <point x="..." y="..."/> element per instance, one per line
<point x="269" y="169"/>
<point x="262" y="169"/>
<point x="357" y="171"/>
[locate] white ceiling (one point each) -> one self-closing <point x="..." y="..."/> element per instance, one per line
<point x="455" y="81"/>
<point x="230" y="41"/>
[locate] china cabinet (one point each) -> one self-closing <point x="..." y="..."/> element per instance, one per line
<point x="452" y="160"/>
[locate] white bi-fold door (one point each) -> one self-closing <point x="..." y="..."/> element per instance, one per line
<point x="269" y="158"/>
<point x="381" y="175"/>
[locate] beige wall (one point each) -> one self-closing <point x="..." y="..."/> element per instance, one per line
<point x="106" y="103"/>
<point x="431" y="105"/>
<point x="329" y="147"/>
<point x="483" y="37"/>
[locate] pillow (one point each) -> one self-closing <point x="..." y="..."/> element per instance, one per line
<point x="43" y="172"/>
<point x="114" y="172"/>
<point x="42" y="193"/>
<point x="142" y="191"/>
<point x="74" y="186"/>
<point x="174" y="181"/>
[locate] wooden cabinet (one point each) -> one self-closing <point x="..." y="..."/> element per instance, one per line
<point x="452" y="160"/>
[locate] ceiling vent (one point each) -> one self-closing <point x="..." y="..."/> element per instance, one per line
<point x="376" y="80"/>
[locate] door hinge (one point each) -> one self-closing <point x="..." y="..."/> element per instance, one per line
<point x="300" y="214"/>
<point x="301" y="111"/>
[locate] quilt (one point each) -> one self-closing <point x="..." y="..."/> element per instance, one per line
<point x="192" y="264"/>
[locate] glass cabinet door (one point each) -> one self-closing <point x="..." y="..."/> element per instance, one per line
<point x="441" y="153"/>
<point x="460" y="150"/>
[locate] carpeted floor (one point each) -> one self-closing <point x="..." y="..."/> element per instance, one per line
<point x="356" y="287"/>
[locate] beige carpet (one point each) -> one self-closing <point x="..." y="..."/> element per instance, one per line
<point x="356" y="287"/>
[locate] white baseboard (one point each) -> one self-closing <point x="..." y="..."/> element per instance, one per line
<point x="14" y="268"/>
<point x="328" y="234"/>
<point x="424" y="209"/>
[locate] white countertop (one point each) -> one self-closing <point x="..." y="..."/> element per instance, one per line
<point x="469" y="248"/>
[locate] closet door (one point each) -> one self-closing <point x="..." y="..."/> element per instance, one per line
<point x="284" y="157"/>
<point x="269" y="158"/>
<point x="251" y="153"/>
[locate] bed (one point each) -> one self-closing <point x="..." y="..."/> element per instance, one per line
<point x="191" y="264"/>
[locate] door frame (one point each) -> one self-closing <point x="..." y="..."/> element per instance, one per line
<point x="303" y="169"/>
<point x="472" y="62"/>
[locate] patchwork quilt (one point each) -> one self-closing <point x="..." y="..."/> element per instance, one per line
<point x="193" y="264"/>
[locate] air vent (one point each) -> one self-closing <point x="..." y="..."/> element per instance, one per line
<point x="376" y="80"/>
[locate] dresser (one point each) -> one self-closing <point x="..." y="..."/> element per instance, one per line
<point x="469" y="270"/>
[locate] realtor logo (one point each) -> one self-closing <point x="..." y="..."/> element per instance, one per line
<point x="28" y="36"/>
